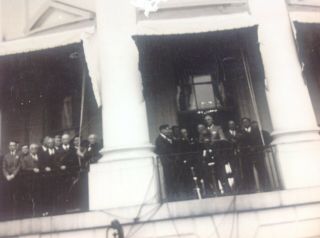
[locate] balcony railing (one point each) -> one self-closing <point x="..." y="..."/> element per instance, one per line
<point x="32" y="194"/>
<point x="218" y="172"/>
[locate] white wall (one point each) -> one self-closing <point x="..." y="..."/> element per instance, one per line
<point x="290" y="222"/>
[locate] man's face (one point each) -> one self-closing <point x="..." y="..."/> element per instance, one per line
<point x="76" y="141"/>
<point x="166" y="131"/>
<point x="254" y="125"/>
<point x="208" y="119"/>
<point x="92" y="139"/>
<point x="201" y="128"/>
<point x="25" y="150"/>
<point x="50" y="143"/>
<point x="45" y="141"/>
<point x="65" y="139"/>
<point x="57" y="141"/>
<point x="12" y="146"/>
<point x="232" y="125"/>
<point x="33" y="149"/>
<point x="184" y="133"/>
<point x="245" y="123"/>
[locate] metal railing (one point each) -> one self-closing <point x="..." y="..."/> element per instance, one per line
<point x="35" y="194"/>
<point x="198" y="174"/>
<point x="216" y="171"/>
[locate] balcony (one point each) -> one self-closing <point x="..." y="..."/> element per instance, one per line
<point x="216" y="172"/>
<point x="33" y="194"/>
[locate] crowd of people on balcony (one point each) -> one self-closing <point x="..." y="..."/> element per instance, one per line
<point x="47" y="178"/>
<point x="216" y="162"/>
<point x="50" y="178"/>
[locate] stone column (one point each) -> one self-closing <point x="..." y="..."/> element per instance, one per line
<point x="125" y="176"/>
<point x="295" y="128"/>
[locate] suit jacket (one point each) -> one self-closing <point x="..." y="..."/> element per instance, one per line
<point x="233" y="138"/>
<point x="166" y="151"/>
<point x="28" y="163"/>
<point x="216" y="132"/>
<point x="163" y="146"/>
<point x="186" y="145"/>
<point x="47" y="160"/>
<point x="68" y="157"/>
<point x="92" y="153"/>
<point x="254" y="139"/>
<point x="11" y="164"/>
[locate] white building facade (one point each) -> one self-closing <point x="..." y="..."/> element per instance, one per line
<point x="124" y="184"/>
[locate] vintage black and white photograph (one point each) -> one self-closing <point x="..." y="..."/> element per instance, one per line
<point x="159" y="118"/>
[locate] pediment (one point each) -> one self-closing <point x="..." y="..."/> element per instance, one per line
<point x="55" y="14"/>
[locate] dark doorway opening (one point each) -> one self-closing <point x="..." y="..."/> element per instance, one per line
<point x="186" y="76"/>
<point x="308" y="42"/>
<point x="189" y="76"/>
<point x="41" y="95"/>
<point x="46" y="93"/>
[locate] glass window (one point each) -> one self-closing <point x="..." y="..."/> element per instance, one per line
<point x="201" y="79"/>
<point x="200" y="92"/>
<point x="204" y="95"/>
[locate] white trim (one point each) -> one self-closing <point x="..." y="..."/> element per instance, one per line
<point x="295" y="199"/>
<point x="308" y="3"/>
<point x="195" y="25"/>
<point x="305" y="17"/>
<point x="35" y="43"/>
<point x="197" y="3"/>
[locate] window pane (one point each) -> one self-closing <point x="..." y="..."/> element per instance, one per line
<point x="202" y="79"/>
<point x="204" y="95"/>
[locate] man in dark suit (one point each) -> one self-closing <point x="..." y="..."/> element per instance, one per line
<point x="43" y="155"/>
<point x="24" y="151"/>
<point x="47" y="164"/>
<point x="201" y="132"/>
<point x="164" y="142"/>
<point x="248" y="184"/>
<point x="82" y="195"/>
<point x="165" y="148"/>
<point x="92" y="153"/>
<point x="57" y="142"/>
<point x="253" y="142"/>
<point x="233" y="135"/>
<point x="66" y="155"/>
<point x="10" y="168"/>
<point x="68" y="167"/>
<point x="187" y="155"/>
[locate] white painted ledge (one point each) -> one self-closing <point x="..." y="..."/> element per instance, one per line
<point x="177" y="210"/>
<point x="34" y="43"/>
<point x="305" y="16"/>
<point x="195" y="25"/>
<point x="197" y="3"/>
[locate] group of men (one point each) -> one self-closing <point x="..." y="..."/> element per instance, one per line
<point x="216" y="162"/>
<point x="38" y="180"/>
